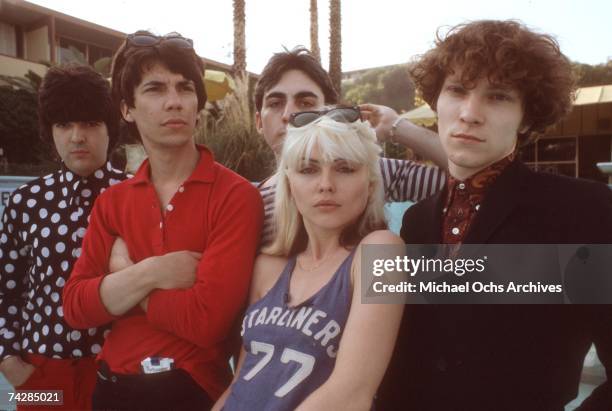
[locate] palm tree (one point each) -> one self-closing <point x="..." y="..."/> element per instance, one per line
<point x="335" y="44"/>
<point x="239" y="39"/>
<point x="314" y="31"/>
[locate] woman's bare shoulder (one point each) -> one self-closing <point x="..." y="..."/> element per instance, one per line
<point x="266" y="272"/>
<point x="382" y="237"/>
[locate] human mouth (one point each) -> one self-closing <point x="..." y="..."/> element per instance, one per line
<point x="467" y="137"/>
<point x="174" y="123"/>
<point x="327" y="205"/>
<point x="79" y="153"/>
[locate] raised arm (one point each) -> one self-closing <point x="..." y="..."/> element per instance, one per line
<point x="423" y="141"/>
<point x="365" y="348"/>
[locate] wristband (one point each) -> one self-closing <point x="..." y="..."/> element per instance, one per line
<point x="393" y="129"/>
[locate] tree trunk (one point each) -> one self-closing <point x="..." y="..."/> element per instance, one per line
<point x="335" y="45"/>
<point x="314" y="31"/>
<point x="239" y="67"/>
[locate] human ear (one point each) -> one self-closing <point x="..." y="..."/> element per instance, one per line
<point x="125" y="112"/>
<point x="258" y="125"/>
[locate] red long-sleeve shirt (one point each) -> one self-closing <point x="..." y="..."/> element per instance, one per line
<point x="215" y="212"/>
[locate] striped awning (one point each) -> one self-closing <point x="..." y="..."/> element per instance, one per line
<point x="593" y="95"/>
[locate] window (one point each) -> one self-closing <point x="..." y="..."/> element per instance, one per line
<point x="558" y="155"/>
<point x="96" y="53"/>
<point x="8" y="39"/>
<point x="71" y="51"/>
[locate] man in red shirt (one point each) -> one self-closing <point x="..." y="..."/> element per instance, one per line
<point x="190" y="226"/>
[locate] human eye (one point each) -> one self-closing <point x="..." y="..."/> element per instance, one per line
<point x="189" y="87"/>
<point x="93" y="124"/>
<point x="501" y="96"/>
<point x="274" y="103"/>
<point x="308" y="168"/>
<point x="61" y="125"/>
<point x="455" y="89"/>
<point x="307" y="103"/>
<point x="345" y="167"/>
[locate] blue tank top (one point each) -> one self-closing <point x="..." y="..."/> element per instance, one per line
<point x="290" y="351"/>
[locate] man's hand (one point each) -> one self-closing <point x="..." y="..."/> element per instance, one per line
<point x="381" y="118"/>
<point x="175" y="270"/>
<point x="120" y="256"/>
<point x="16" y="371"/>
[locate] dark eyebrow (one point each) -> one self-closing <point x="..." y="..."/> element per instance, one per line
<point x="304" y="94"/>
<point x="275" y="94"/>
<point x="184" y="83"/>
<point x="153" y="83"/>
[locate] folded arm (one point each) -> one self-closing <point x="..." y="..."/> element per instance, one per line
<point x="205" y="313"/>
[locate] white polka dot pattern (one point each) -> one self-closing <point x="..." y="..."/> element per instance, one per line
<point x="41" y="232"/>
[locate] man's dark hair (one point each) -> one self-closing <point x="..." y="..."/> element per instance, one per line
<point x="131" y="62"/>
<point x="508" y="53"/>
<point x="297" y="59"/>
<point x="75" y="93"/>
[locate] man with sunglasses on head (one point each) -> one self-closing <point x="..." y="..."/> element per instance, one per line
<point x="191" y="229"/>
<point x="294" y="81"/>
<point x="40" y="239"/>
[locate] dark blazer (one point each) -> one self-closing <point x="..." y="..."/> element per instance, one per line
<point x="505" y="357"/>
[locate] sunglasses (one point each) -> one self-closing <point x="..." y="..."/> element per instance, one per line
<point x="149" y="40"/>
<point x="339" y="114"/>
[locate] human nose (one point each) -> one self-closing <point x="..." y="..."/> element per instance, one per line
<point x="173" y="100"/>
<point x="326" y="181"/>
<point x="290" y="108"/>
<point x="471" y="110"/>
<point x="77" y="133"/>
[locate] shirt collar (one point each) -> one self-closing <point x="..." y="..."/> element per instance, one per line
<point x="481" y="181"/>
<point x="95" y="182"/>
<point x="204" y="171"/>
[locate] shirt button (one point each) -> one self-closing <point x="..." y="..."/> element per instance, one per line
<point x="455" y="231"/>
<point x="86" y="203"/>
<point x="169" y="207"/>
<point x="114" y="379"/>
<point x="161" y="225"/>
<point x="461" y="186"/>
<point x="445" y="210"/>
<point x="181" y="189"/>
<point x="477" y="207"/>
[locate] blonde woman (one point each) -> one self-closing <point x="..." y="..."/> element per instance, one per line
<point x="308" y="341"/>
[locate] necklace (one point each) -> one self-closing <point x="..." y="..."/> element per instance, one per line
<point x="319" y="264"/>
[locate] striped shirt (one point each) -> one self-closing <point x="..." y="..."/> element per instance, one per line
<point x="403" y="180"/>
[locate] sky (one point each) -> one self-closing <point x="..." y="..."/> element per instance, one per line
<point x="374" y="33"/>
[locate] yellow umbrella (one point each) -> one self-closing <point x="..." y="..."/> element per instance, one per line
<point x="422" y="116"/>
<point x="217" y="84"/>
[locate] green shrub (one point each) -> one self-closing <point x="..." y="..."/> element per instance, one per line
<point x="228" y="129"/>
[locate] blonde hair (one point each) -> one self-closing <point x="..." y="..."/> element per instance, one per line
<point x="354" y="142"/>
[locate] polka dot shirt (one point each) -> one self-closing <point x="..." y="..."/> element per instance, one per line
<point x="40" y="239"/>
